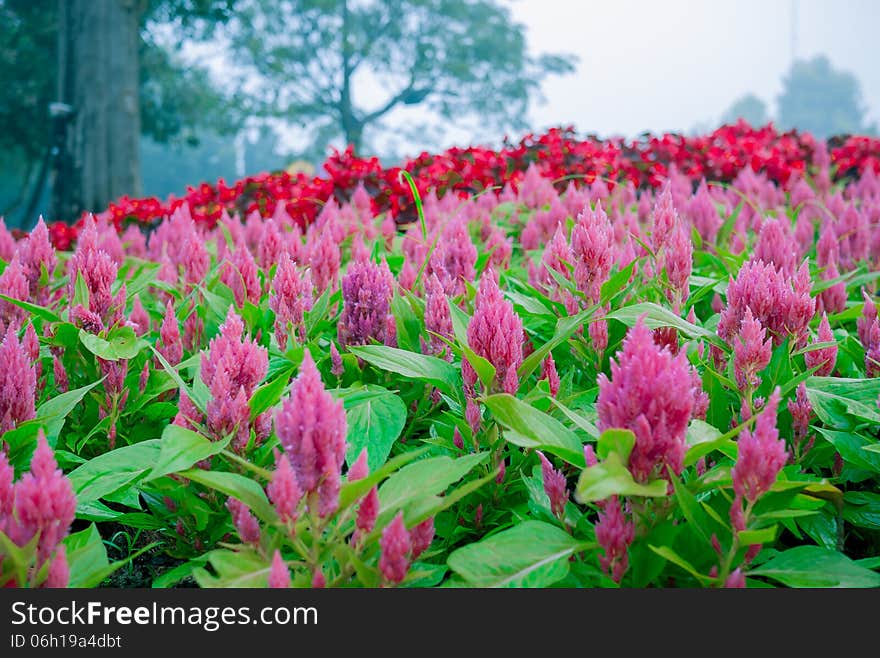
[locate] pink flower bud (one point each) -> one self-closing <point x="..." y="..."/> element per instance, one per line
<point x="824" y="357"/>
<point x="614" y="534"/>
<point x="245" y="522"/>
<point x="396" y="548"/>
<point x="761" y="456"/>
<point x="279" y="574"/>
<point x="554" y="486"/>
<point x="283" y="490"/>
<point x="422" y="535"/>
<point x="59" y="572"/>
<point x="548" y="372"/>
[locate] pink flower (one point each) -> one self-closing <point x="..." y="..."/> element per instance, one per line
<point x="824" y="357"/>
<point x="139" y="317"/>
<point x="438" y="320"/>
<point x="801" y="414"/>
<point x="337" y="367"/>
<point x="18" y="381"/>
<point x="751" y="353"/>
<point x="614" y="534"/>
<point x="37" y="255"/>
<point x="279" y="574"/>
<point x="868" y="317"/>
<point x="283" y="490"/>
<point x="242" y="276"/>
<point x="762" y="454"/>
<point x="59" y="571"/>
<point x="13" y="283"/>
<point x="396" y="553"/>
<point x="555" y="486"/>
<point x="367" y="290"/>
<point x="170" y="344"/>
<point x="679" y="262"/>
<point x="776" y="246"/>
<point x="665" y="218"/>
<point x="245" y="522"/>
<point x="311" y="426"/>
<point x="494" y="333"/>
<point x="271" y="244"/>
<point x="291" y="297"/>
<point x="324" y="261"/>
<point x="548" y="372"/>
<point x="704" y="215"/>
<point x="736" y="579"/>
<point x="368" y="512"/>
<point x="592" y="245"/>
<point x="422" y="535"/>
<point x="650" y="392"/>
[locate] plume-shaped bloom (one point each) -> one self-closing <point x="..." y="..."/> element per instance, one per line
<point x="438" y="319"/>
<point x="761" y="454"/>
<point x="614" y="533"/>
<point x="777" y="246"/>
<point x="824" y="357"/>
<point x="664" y="218"/>
<point x="170" y="344"/>
<point x="290" y="299"/>
<point x="548" y="372"/>
<point x="751" y="353"/>
<point x="704" y="215"/>
<point x="679" y="263"/>
<point x="139" y="317"/>
<point x="367" y="289"/>
<point x="18" y="382"/>
<point x="337" y="368"/>
<point x="868" y="318"/>
<point x="279" y="574"/>
<point x="13" y="283"/>
<point x="241" y="274"/>
<point x="98" y="271"/>
<point x="368" y="512"/>
<point x="555" y="486"/>
<point x="396" y="546"/>
<point x="245" y="522"/>
<point x="58" y="576"/>
<point x="495" y="333"/>
<point x="284" y="491"/>
<point x="271" y="244"/>
<point x="454" y="258"/>
<point x="324" y="258"/>
<point x="421" y="535"/>
<point x="650" y="393"/>
<point x="311" y="426"/>
<point x="592" y="246"/>
<point x="801" y="411"/>
<point x="38" y="256"/>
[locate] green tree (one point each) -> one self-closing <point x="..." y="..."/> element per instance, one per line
<point x="820" y="99"/>
<point x="306" y="58"/>
<point x="748" y="107"/>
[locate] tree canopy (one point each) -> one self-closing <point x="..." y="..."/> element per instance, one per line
<point x="748" y="107"/>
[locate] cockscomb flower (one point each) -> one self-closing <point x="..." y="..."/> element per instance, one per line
<point x="58" y="576"/>
<point x="649" y="392"/>
<point x="495" y="332"/>
<point x="337" y="367"/>
<point x="169" y="343"/>
<point x="241" y="274"/>
<point x="139" y="317"/>
<point x="279" y="574"/>
<point x="751" y="353"/>
<point x="13" y="283"/>
<point x="833" y="298"/>
<point x="678" y="261"/>
<point x="592" y="246"/>
<point x="868" y="318"/>
<point x="704" y="215"/>
<point x="454" y="258"/>
<point x="245" y="522"/>
<point x="283" y="490"/>
<point x="555" y="486"/>
<point x="44" y="502"/>
<point x="290" y="299"/>
<point x="421" y="536"/>
<point x="438" y="319"/>
<point x="664" y="218"/>
<point x="311" y="427"/>
<point x="38" y="255"/>
<point x="801" y="411"/>
<point x="824" y="357"/>
<point x="761" y="454"/>
<point x="367" y="289"/>
<point x="396" y="555"/>
<point x="324" y="259"/>
<point x="499" y="248"/>
<point x="368" y="512"/>
<point x="7" y="242"/>
<point x="18" y="382"/>
<point x="271" y="244"/>
<point x="614" y="533"/>
<point x="775" y="245"/>
<point x="548" y="372"/>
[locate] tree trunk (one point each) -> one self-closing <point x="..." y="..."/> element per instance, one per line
<point x="100" y="154"/>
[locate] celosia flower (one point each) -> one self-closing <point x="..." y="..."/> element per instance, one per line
<point x="139" y="317"/>
<point x="368" y="512"/>
<point x="13" y="283"/>
<point x="324" y="261"/>
<point x="494" y="333"/>
<point x="396" y="553"/>
<point x="761" y="455"/>
<point x="421" y="535"/>
<point x="801" y="414"/>
<point x="704" y="215"/>
<point x="751" y="353"/>
<point x="614" y="534"/>
<point x="592" y="246"/>
<point x="311" y="426"/>
<point x="283" y="490"/>
<point x="548" y="372"/>
<point x="665" y="218"/>
<point x="245" y="522"/>
<point x="18" y="381"/>
<point x="555" y="486"/>
<point x="868" y="318"/>
<point x="241" y="274"/>
<point x="58" y="576"/>
<point x="650" y="392"/>
<point x="291" y="297"/>
<point x="824" y="357"/>
<point x="279" y="574"/>
<point x="337" y="368"/>
<point x="38" y="255"/>
<point x="438" y="320"/>
<point x="736" y="579"/>
<point x="169" y="344"/>
<point x="679" y="262"/>
<point x="367" y="289"/>
<point x="271" y="244"/>
<point x="776" y="246"/>
<point x="98" y="271"/>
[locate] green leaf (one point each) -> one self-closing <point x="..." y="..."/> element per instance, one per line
<point x="842" y="403"/>
<point x="657" y="316"/>
<point x="375" y="420"/>
<point x="181" y="448"/>
<point x="80" y="292"/>
<point x="242" y="568"/>
<point x="238" y="486"/>
<point x="611" y="478"/>
<point x="528" y="427"/>
<point x="430" y="369"/>
<point x="761" y="536"/>
<point x="40" y="311"/>
<point x="565" y="327"/>
<point x="530" y="554"/>
<point x="851" y="448"/>
<point x="181" y="385"/>
<point x="53" y="412"/>
<point x="676" y="559"/>
<point x="424" y="478"/>
<point x="269" y="394"/>
<point x="112" y="470"/>
<point x="121" y="343"/>
<point x="86" y="557"/>
<point x="813" y="566"/>
<point x="616" y="440"/>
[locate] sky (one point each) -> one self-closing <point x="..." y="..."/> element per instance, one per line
<point x="678" y="64"/>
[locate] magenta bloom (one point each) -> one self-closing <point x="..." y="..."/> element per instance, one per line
<point x="98" y="270"/>
<point x="367" y="289"/>
<point x="284" y="491"/>
<point x="868" y="318"/>
<point x="241" y="274"/>
<point x="337" y="368"/>
<point x="454" y="258"/>
<point x="762" y="454"/>
<point x="555" y="486"/>
<point x="139" y="317"/>
<point x="245" y="522"/>
<point x="368" y="512"/>
<point x="801" y="414"/>
<point x="438" y="319"/>
<point x="396" y="551"/>
<point x="664" y="217"/>
<point x="324" y="261"/>
<point x="170" y="344"/>
<point x="614" y="534"/>
<point x="311" y="426"/>
<point x="37" y="255"/>
<point x="704" y="215"/>
<point x="422" y="535"/>
<point x="44" y="502"/>
<point x="495" y="333"/>
<point x="548" y="372"/>
<point x="777" y="246"/>
<point x="650" y="392"/>
<point x="271" y="244"/>
<point x="824" y="357"/>
<point x="18" y="382"/>
<point x="59" y="571"/>
<point x="13" y="283"/>
<point x="592" y="245"/>
<point x="751" y="353"/>
<point x="279" y="574"/>
<point x="679" y="263"/>
<point x="291" y="297"/>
